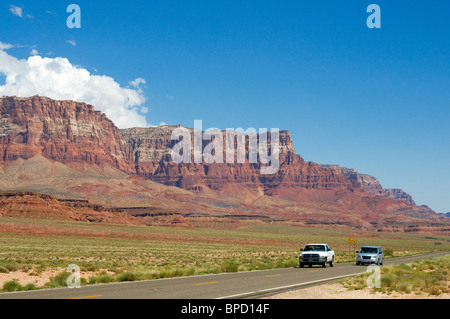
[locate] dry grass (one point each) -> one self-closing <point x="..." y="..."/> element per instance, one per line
<point x="428" y="277"/>
<point x="108" y="253"/>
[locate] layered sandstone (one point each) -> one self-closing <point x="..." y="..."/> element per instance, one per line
<point x="149" y="149"/>
<point x="63" y="131"/>
<point x="69" y="150"/>
<point x="21" y="204"/>
<point x="371" y="185"/>
<point x="73" y="132"/>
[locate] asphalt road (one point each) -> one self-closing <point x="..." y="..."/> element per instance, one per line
<point x="250" y="284"/>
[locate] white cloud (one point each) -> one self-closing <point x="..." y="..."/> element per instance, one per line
<point x="5" y="46"/>
<point x="17" y="11"/>
<point x="57" y="78"/>
<point x="51" y="12"/>
<point x="72" y="42"/>
<point x="137" y="83"/>
<point x="34" y="52"/>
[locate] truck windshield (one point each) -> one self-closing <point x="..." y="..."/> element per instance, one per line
<point x="314" y="248"/>
<point x="368" y="250"/>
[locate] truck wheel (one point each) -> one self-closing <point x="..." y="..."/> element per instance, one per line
<point x="324" y="265"/>
<point x="332" y="262"/>
<point x="302" y="265"/>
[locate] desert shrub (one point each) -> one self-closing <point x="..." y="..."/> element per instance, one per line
<point x="170" y="272"/>
<point x="127" y="276"/>
<point x="438" y="275"/>
<point x="101" y="278"/>
<point x="292" y="262"/>
<point x="59" y="280"/>
<point x="166" y="272"/>
<point x="191" y="270"/>
<point x="29" y="286"/>
<point x="388" y="253"/>
<point x="355" y="283"/>
<point x="179" y="272"/>
<point x="90" y="266"/>
<point x="11" y="286"/>
<point x="4" y="270"/>
<point x="210" y="270"/>
<point x="403" y="286"/>
<point x="388" y="280"/>
<point x="229" y="266"/>
<point x="12" y="266"/>
<point x="405" y="267"/>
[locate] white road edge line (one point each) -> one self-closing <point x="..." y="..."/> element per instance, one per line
<point x="289" y="286"/>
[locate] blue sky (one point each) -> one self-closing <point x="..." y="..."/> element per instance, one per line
<point x="376" y="100"/>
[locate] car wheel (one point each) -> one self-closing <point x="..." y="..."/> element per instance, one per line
<point x="332" y="262"/>
<point x="324" y="265"/>
<point x="302" y="265"/>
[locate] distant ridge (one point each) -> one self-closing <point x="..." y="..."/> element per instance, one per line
<point x="371" y="185"/>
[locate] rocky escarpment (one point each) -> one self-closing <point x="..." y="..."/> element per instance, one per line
<point x="68" y="131"/>
<point x="371" y="185"/>
<point x="149" y="149"/>
<point x="396" y="193"/>
<point x="63" y="131"/>
<point x="35" y="205"/>
<point x="67" y="148"/>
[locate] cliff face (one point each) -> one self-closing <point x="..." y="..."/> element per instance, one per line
<point x="35" y="205"/>
<point x="150" y="151"/>
<point x="67" y="148"/>
<point x="371" y="185"/>
<point x="396" y="193"/>
<point x="68" y="132"/>
<point x="63" y="131"/>
<point x="71" y="132"/>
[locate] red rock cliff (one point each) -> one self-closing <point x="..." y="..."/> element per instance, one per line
<point x="63" y="131"/>
<point x="149" y="149"/>
<point x="68" y="131"/>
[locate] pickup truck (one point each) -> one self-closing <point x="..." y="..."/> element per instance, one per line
<point x="316" y="254"/>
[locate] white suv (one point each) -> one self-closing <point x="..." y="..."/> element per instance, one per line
<point x="369" y="255"/>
